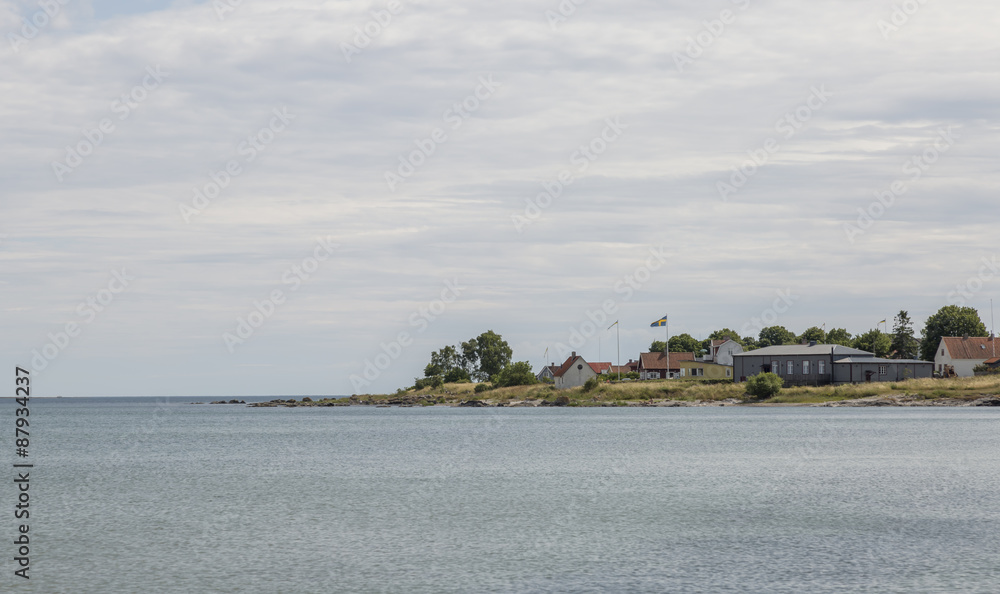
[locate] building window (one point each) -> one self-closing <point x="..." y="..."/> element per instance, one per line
<point x="883" y="369"/>
<point x="942" y="352"/>
<point x="822" y="367"/>
<point x="775" y="367"/>
<point x="700" y="371"/>
<point x="805" y="368"/>
<point x="791" y="367"/>
<point x="729" y="372"/>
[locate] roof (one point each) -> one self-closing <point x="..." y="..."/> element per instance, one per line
<point x="992" y="361"/>
<point x="599" y="367"/>
<point x="974" y="347"/>
<point x="881" y="361"/>
<point x="565" y="366"/>
<point x="805" y="349"/>
<point x="658" y="360"/>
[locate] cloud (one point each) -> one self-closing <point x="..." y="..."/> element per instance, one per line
<point x="325" y="175"/>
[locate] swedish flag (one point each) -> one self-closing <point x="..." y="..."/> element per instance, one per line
<point x="661" y="322"/>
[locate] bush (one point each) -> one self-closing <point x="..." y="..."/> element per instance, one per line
<point x="435" y="381"/>
<point x="515" y="374"/>
<point x="764" y="385"/>
<point x="591" y="384"/>
<point x="561" y="400"/>
<point x="483" y="387"/>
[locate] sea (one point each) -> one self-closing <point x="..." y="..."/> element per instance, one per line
<point x="163" y="495"/>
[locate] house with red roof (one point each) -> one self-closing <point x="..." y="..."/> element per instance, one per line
<point x="964" y="353"/>
<point x="575" y="371"/>
<point x="661" y="365"/>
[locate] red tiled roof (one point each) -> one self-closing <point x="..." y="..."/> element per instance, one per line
<point x="599" y="367"/>
<point x="992" y="361"/>
<point x="651" y="361"/>
<point x="564" y="367"/>
<point x="969" y="348"/>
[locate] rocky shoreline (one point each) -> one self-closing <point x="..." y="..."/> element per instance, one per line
<point x="425" y="401"/>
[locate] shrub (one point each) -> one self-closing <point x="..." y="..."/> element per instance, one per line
<point x="435" y="381"/>
<point x="562" y="400"/>
<point x="591" y="384"/>
<point x="764" y="385"/>
<point x="515" y="374"/>
<point x="483" y="387"/>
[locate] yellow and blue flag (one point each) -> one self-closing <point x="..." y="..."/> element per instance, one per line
<point x="613" y="325"/>
<point x="661" y="322"/>
<point x="882" y="322"/>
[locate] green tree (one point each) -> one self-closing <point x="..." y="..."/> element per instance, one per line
<point x="750" y="343"/>
<point x="515" y="374"/>
<point x="815" y="333"/>
<point x="684" y="343"/>
<point x="950" y="320"/>
<point x="840" y="336"/>
<point x="470" y="356"/>
<point x="775" y="335"/>
<point x="657" y="346"/>
<point x="442" y="362"/>
<point x="494" y="354"/>
<point x="874" y="341"/>
<point x="903" y="341"/>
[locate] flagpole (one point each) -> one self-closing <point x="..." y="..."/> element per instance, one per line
<point x="618" y="331"/>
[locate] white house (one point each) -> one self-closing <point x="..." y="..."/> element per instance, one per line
<point x="722" y="351"/>
<point x="964" y="353"/>
<point x="576" y="371"/>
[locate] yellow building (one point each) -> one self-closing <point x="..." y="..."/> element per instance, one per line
<point x="705" y="370"/>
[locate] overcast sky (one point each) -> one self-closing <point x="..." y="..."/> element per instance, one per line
<point x="394" y="168"/>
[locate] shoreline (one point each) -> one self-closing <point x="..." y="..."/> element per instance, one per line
<point x="864" y="402"/>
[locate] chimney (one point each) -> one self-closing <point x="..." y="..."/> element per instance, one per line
<point x="574" y="354"/>
<point x="812" y="343"/>
<point x="965" y="337"/>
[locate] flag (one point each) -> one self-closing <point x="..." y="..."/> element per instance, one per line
<point x="661" y="322"/>
<point x="546" y="355"/>
<point x="882" y="322"/>
<point x="613" y="325"/>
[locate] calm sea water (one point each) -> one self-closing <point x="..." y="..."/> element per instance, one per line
<point x="146" y="495"/>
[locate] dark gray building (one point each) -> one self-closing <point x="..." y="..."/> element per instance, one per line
<point x="816" y="364"/>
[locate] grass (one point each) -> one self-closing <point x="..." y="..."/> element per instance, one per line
<point x="623" y="393"/>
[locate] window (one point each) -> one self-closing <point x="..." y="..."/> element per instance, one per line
<point x="791" y="367"/>
<point x="729" y="372"/>
<point x="883" y="369"/>
<point x="942" y="352"/>
<point x="822" y="367"/>
<point x="775" y="367"/>
<point x="805" y="368"/>
<point x="700" y="371"/>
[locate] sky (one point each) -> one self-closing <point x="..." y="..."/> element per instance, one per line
<point x="240" y="197"/>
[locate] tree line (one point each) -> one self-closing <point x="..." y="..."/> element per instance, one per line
<point x="901" y="343"/>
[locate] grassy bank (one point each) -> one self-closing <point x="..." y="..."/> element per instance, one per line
<point x="695" y="391"/>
